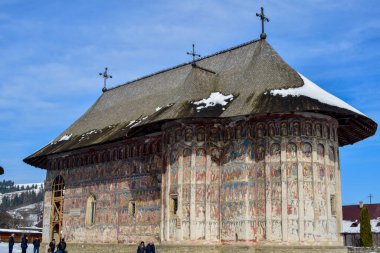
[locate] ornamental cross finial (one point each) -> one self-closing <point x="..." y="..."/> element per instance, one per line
<point x="105" y="77"/>
<point x="263" y="35"/>
<point x="194" y="55"/>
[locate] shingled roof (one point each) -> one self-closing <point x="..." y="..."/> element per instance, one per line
<point x="248" y="79"/>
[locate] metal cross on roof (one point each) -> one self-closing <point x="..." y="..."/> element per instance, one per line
<point x="263" y="35"/>
<point x="105" y="77"/>
<point x="194" y="55"/>
<point x="370" y="196"/>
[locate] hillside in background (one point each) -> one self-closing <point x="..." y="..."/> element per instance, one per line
<point x="20" y="204"/>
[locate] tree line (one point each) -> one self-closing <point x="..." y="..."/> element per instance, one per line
<point x="7" y="186"/>
<point x="27" y="196"/>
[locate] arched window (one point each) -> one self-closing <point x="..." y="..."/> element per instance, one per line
<point x="90" y="211"/>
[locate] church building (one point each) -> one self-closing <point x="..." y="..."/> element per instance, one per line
<point x="235" y="149"/>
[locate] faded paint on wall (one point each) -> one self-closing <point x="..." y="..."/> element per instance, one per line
<point x="255" y="179"/>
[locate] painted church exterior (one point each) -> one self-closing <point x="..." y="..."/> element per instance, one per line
<point x="236" y="148"/>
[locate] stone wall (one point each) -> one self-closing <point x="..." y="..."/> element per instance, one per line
<point x="115" y="184"/>
<point x="120" y="248"/>
<point x="264" y="179"/>
<point x="255" y="179"/>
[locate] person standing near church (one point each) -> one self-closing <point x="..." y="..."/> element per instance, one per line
<point x="52" y="246"/>
<point x="36" y="244"/>
<point x="150" y="248"/>
<point x="11" y="242"/>
<point x="61" y="246"/>
<point x="24" y="244"/>
<point x="141" y="248"/>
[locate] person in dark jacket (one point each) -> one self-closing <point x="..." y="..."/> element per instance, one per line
<point x="11" y="242"/>
<point x="61" y="246"/>
<point x="150" y="248"/>
<point x="52" y="246"/>
<point x="141" y="248"/>
<point x="24" y="244"/>
<point x="36" y="244"/>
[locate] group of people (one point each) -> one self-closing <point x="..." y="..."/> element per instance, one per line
<point x="57" y="248"/>
<point x="53" y="248"/>
<point x="61" y="246"/>
<point x="149" y="248"/>
<point x="24" y="244"/>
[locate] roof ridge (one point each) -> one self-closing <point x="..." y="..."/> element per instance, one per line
<point x="184" y="64"/>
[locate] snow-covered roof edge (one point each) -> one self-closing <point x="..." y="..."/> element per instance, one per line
<point x="347" y="229"/>
<point x="312" y="90"/>
<point x="5" y="230"/>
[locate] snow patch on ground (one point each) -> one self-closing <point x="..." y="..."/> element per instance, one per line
<point x="214" y="99"/>
<point x="16" y="248"/>
<point x="30" y="213"/>
<point x="311" y="90"/>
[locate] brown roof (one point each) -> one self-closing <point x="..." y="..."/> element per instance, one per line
<point x="248" y="72"/>
<point x="352" y="212"/>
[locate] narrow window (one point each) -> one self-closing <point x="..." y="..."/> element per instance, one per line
<point x="132" y="208"/>
<point x="93" y="212"/>
<point x="174" y="204"/>
<point x="333" y="204"/>
<point x="90" y="211"/>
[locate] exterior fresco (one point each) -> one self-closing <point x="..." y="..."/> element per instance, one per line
<point x="258" y="179"/>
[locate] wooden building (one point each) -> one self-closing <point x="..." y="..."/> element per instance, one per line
<point x="19" y="233"/>
<point x="351" y="224"/>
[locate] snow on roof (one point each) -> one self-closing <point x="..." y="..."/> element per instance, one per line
<point x="32" y="228"/>
<point x="214" y="99"/>
<point x="5" y="230"/>
<point x="347" y="227"/>
<point x="66" y="137"/>
<point x="311" y="90"/>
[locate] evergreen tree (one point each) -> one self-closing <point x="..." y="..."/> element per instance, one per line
<point x="365" y="228"/>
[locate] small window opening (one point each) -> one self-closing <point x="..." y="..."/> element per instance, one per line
<point x="378" y="224"/>
<point x="174" y="204"/>
<point x="333" y="204"/>
<point x="132" y="208"/>
<point x="90" y="211"/>
<point x="93" y="212"/>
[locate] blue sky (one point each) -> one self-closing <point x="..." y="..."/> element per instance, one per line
<point x="52" y="51"/>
